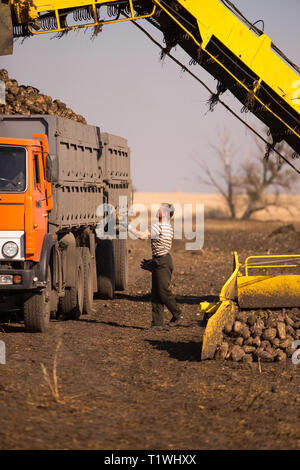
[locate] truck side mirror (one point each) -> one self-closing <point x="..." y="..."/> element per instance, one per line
<point x="52" y="168"/>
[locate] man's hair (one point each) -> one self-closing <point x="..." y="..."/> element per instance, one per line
<point x="169" y="208"/>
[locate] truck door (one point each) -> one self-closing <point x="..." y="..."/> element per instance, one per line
<point x="40" y="214"/>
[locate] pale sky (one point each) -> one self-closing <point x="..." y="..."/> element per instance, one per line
<point x="117" y="82"/>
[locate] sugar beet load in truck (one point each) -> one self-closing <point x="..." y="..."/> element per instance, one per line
<point x="54" y="175"/>
<point x="214" y="34"/>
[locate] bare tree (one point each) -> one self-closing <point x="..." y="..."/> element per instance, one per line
<point x="265" y="179"/>
<point x="261" y="180"/>
<point x="226" y="180"/>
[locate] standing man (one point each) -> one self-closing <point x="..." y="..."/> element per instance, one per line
<point x="161" y="235"/>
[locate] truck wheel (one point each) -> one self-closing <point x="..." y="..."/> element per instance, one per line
<point x="120" y="262"/>
<point x="88" y="293"/>
<point x="37" y="309"/>
<point x="71" y="305"/>
<point x="105" y="269"/>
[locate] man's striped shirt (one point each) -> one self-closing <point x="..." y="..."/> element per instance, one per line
<point x="161" y="238"/>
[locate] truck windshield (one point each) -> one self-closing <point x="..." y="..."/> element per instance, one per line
<point x="12" y="169"/>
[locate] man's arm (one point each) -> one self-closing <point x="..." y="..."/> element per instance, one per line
<point x="153" y="233"/>
<point x="140" y="235"/>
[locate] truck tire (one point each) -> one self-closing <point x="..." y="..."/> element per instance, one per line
<point x="88" y="292"/>
<point x="71" y="305"/>
<point x="105" y="269"/>
<point x="120" y="263"/>
<point x="37" y="309"/>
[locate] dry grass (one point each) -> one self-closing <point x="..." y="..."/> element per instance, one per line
<point x="53" y="384"/>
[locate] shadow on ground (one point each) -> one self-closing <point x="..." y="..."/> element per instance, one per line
<point x="182" y="351"/>
<point x="181" y="299"/>
<point x="111" y="323"/>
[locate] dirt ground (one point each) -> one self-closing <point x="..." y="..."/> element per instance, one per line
<point x="121" y="386"/>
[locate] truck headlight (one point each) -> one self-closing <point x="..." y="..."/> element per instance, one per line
<point x="10" y="249"/>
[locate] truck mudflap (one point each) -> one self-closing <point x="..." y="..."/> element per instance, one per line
<point x="6" y="29"/>
<point x="41" y="268"/>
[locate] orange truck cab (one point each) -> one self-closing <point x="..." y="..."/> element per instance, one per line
<point x="54" y="175"/>
<point x="25" y="199"/>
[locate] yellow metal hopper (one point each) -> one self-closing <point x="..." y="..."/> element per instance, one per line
<point x="274" y="285"/>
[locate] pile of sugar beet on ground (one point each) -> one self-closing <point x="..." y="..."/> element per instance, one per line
<point x="26" y="100"/>
<point x="263" y="335"/>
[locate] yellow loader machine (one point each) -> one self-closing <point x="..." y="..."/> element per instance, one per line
<point x="270" y="281"/>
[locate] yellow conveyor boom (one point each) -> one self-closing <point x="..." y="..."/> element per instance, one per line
<point x="241" y="57"/>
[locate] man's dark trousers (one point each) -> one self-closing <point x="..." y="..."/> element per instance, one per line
<point x="161" y="292"/>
